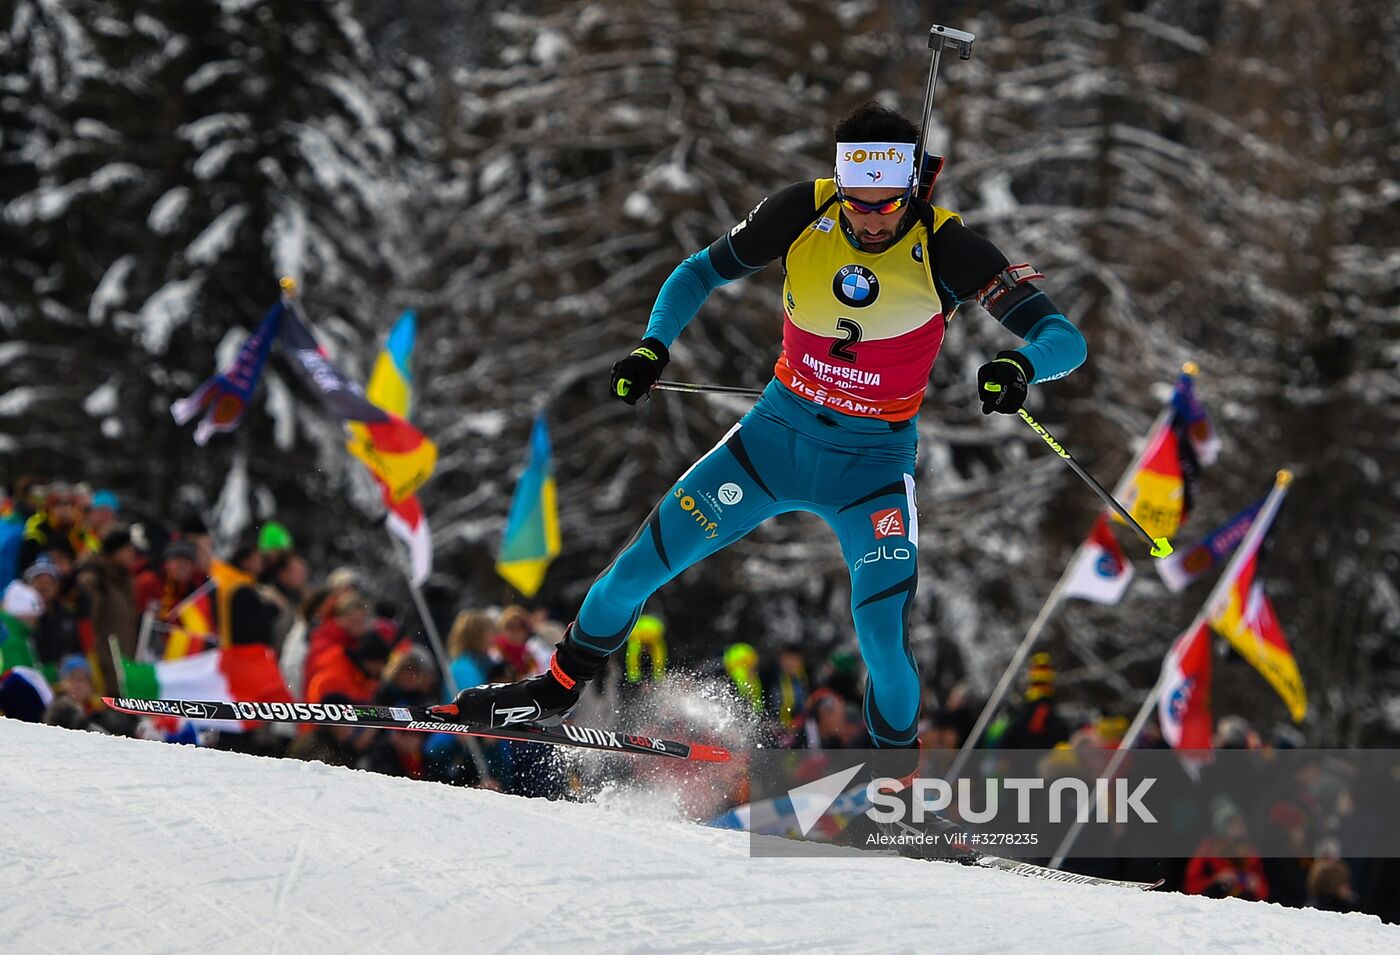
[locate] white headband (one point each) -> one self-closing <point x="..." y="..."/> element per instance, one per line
<point x="888" y="165"/>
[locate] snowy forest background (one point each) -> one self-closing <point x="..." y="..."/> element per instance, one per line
<point x="1215" y="180"/>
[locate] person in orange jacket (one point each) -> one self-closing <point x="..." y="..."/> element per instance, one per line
<point x="353" y="671"/>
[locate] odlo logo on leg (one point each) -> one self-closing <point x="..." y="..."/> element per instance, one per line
<point x="710" y="527"/>
<point x="884" y="553"/>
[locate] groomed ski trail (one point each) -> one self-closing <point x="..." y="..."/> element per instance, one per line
<point x="121" y="845"/>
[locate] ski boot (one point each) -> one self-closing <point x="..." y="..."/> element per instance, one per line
<point x="932" y="837"/>
<point x="543" y="700"/>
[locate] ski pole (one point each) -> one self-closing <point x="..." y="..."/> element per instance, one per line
<point x="1161" y="547"/>
<point x="938" y="37"/>
<point x="695" y="388"/>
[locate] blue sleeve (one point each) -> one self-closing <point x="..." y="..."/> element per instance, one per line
<point x="1054" y="348"/>
<point x="682" y="295"/>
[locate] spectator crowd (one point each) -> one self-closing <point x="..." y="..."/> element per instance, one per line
<point x="85" y="591"/>
<point x="86" y="594"/>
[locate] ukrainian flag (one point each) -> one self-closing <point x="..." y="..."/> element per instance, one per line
<point x="391" y="382"/>
<point x="532" y="529"/>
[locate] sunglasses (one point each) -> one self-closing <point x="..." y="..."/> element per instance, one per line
<point x="884" y="207"/>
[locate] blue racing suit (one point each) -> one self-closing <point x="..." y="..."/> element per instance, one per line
<point x="835" y="433"/>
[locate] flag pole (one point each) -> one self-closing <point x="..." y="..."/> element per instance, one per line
<point x="1047" y="610"/>
<point x="193" y="595"/>
<point x="1242" y="553"/>
<point x="1121" y="753"/>
<point x="439" y="653"/>
<point x="143" y="635"/>
<point x="1051" y="604"/>
<point x="116" y="650"/>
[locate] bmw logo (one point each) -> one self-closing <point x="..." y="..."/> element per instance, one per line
<point x="917" y="252"/>
<point x="856" y="286"/>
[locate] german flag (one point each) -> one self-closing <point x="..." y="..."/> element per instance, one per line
<point x="395" y="451"/>
<point x="1244" y="616"/>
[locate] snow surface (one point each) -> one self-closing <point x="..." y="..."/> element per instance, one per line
<point x="119" y="845"/>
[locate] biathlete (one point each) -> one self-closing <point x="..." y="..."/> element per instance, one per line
<point x="873" y="275"/>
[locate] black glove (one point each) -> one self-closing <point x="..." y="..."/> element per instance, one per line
<point x="633" y="377"/>
<point x="1002" y="382"/>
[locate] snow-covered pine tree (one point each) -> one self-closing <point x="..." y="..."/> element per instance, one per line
<point x="174" y="158"/>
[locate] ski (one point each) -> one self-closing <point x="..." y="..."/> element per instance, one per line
<point x="964" y="854"/>
<point x="967" y="855"/>
<point x="1032" y="871"/>
<point x="777" y="817"/>
<point x="420" y="719"/>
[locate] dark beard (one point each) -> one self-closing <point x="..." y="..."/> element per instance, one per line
<point x="880" y="246"/>
<point x="876" y="247"/>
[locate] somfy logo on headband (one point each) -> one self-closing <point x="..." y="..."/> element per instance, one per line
<point x="888" y="165"/>
<point x="875" y="155"/>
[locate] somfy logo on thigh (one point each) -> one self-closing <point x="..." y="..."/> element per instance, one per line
<point x="730" y="493"/>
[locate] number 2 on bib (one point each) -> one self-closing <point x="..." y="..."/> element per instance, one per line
<point x="842" y="349"/>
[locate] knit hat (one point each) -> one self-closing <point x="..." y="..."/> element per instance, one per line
<point x="41" y="567"/>
<point x="274" y="536"/>
<point x="114" y="541"/>
<point x="343" y="577"/>
<point x="73" y="661"/>
<point x="1232" y="732"/>
<point x="1223" y="812"/>
<point x="105" y="499"/>
<point x="1111" y="729"/>
<point x="180" y="548"/>
<point x="22" y="600"/>
<point x="417" y="657"/>
<point x="24" y="695"/>
<point x="740" y="657"/>
<point x="649" y="637"/>
<point x="1040" y="678"/>
<point x="371" y="646"/>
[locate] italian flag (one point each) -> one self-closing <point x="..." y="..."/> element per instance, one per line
<point x="246" y="673"/>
